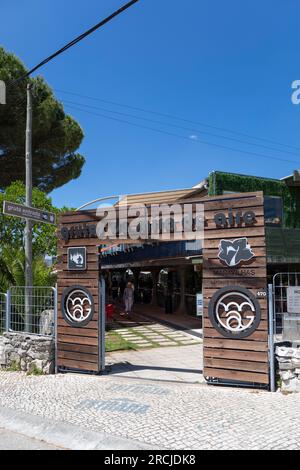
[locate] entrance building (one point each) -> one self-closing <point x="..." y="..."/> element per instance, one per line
<point x="175" y="270"/>
<point x="172" y="276"/>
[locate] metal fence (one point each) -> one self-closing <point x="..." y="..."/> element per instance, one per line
<point x="2" y="312"/>
<point x="31" y="310"/>
<point x="286" y="324"/>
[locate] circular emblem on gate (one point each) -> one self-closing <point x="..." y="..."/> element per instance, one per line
<point x="234" y="312"/>
<point x="77" y="306"/>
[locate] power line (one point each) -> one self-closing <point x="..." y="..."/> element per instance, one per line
<point x="178" y="118"/>
<point x="181" y="127"/>
<point x="182" y="137"/>
<point x="79" y="38"/>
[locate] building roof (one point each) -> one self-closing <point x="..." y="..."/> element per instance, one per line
<point x="160" y="197"/>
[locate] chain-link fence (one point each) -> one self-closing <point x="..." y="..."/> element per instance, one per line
<point x="2" y="313"/>
<point x="32" y="310"/>
<point x="286" y="297"/>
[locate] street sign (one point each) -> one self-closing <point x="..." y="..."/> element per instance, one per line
<point x="24" y="212"/>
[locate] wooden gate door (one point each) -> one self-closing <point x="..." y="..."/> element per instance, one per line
<point x="235" y="291"/>
<point x="79" y="328"/>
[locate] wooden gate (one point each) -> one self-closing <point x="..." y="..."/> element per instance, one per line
<point x="79" y="322"/>
<point x="235" y="291"/>
<point x="234" y="288"/>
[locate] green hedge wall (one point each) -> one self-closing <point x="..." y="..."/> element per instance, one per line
<point x="220" y="182"/>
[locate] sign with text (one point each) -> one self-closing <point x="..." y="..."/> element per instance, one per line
<point x="199" y="305"/>
<point x="293" y="299"/>
<point x="24" y="212"/>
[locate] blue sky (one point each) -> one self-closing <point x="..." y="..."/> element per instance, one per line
<point x="224" y="64"/>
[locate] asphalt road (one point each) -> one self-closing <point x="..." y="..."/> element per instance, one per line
<point x="14" y="441"/>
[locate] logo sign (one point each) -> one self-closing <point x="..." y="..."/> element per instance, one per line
<point x="234" y="312"/>
<point x="24" y="212"/>
<point x="232" y="219"/>
<point x="77" y="306"/>
<point x="77" y="259"/>
<point x="233" y="252"/>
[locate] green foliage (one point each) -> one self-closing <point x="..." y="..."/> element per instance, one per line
<point x="34" y="370"/>
<point x="12" y="273"/>
<point x="15" y="366"/>
<point x="220" y="182"/>
<point x="56" y="136"/>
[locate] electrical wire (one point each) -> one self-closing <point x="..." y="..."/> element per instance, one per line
<point x="170" y="116"/>
<point x="183" y="137"/>
<point x="181" y="127"/>
<point x="78" y="39"/>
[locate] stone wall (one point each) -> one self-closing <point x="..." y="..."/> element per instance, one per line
<point x="28" y="353"/>
<point x="288" y="360"/>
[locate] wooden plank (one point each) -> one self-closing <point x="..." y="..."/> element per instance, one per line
<point x="78" y="356"/>
<point x="78" y="348"/>
<point x="240" y="355"/>
<point x="233" y="233"/>
<point x="250" y="283"/>
<point x="256" y="336"/>
<point x="247" y="366"/>
<point x="85" y="340"/>
<point x="69" y="330"/>
<point x="88" y="283"/>
<point x="244" y="345"/>
<point x="93" y="325"/>
<point x="79" y="365"/>
<point x="249" y="377"/>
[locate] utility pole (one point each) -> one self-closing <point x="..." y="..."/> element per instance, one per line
<point x="28" y="229"/>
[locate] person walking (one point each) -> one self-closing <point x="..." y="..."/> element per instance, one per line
<point x="128" y="298"/>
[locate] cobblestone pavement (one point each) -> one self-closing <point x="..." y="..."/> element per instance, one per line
<point x="156" y="335"/>
<point x="163" y="415"/>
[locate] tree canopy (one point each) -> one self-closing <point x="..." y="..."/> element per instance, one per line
<point x="56" y="135"/>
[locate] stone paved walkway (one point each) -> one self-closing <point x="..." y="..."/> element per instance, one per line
<point x="164" y="415"/>
<point x="156" y="335"/>
<point x="179" y="364"/>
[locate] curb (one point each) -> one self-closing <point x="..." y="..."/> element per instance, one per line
<point x="63" y="435"/>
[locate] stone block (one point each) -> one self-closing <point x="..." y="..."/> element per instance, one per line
<point x="286" y="366"/>
<point x="284" y="352"/>
<point x="287" y="375"/>
<point x="292" y="385"/>
<point x="296" y="353"/>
